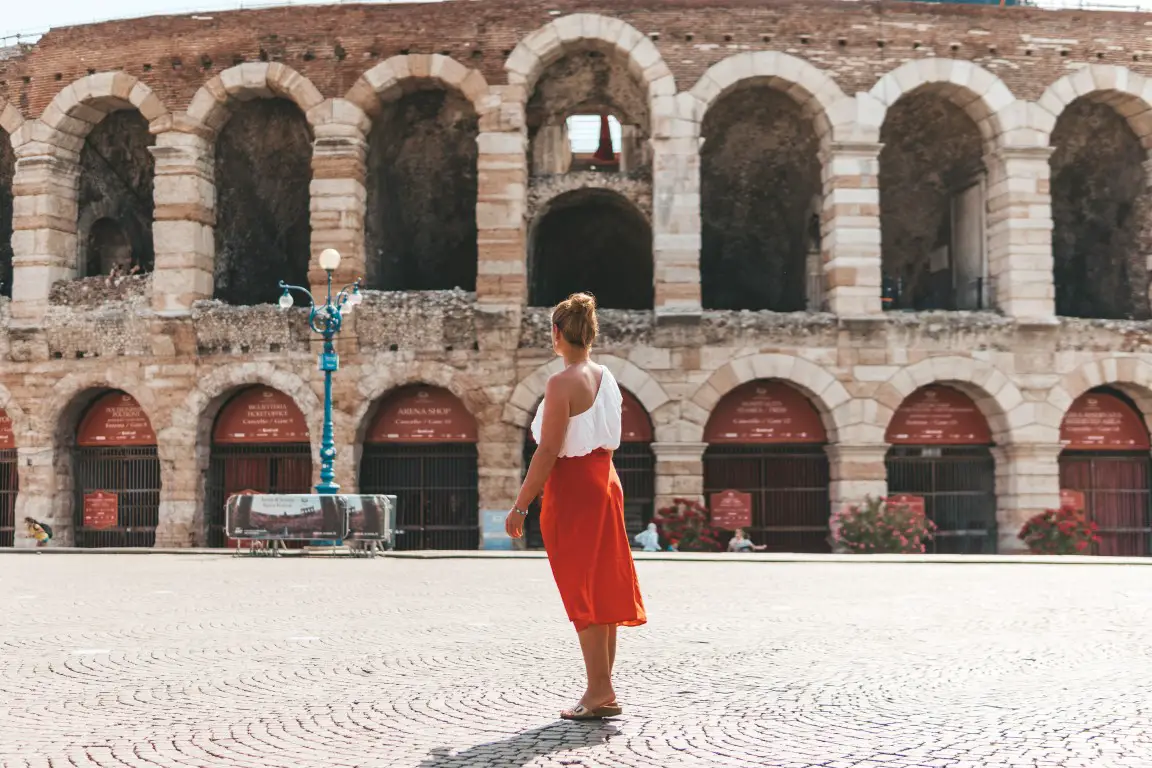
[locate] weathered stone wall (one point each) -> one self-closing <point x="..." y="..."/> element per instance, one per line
<point x="7" y="170"/>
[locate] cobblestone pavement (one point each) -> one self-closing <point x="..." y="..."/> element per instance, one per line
<point x="208" y="661"/>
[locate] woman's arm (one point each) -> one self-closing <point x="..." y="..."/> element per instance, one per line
<point x="552" y="432"/>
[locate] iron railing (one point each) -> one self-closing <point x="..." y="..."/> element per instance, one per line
<point x="133" y="475"/>
<point x="635" y="464"/>
<point x="436" y="489"/>
<point x="9" y="485"/>
<point x="958" y="485"/>
<point x="1116" y="498"/>
<point x="976" y="295"/>
<point x="261" y="468"/>
<point x="789" y="487"/>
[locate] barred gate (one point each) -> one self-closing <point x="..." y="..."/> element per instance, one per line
<point x="1117" y="498"/>
<point x="9" y="485"/>
<point x="133" y="475"/>
<point x="789" y="487"/>
<point x="437" y="491"/>
<point x="958" y="484"/>
<point x="276" y="468"/>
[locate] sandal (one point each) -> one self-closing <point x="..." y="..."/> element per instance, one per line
<point x="581" y="712"/>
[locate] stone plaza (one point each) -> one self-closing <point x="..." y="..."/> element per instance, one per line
<point x="204" y="660"/>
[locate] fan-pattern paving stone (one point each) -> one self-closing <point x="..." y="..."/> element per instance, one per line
<point x="213" y="661"/>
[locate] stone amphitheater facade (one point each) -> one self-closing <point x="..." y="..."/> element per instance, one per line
<point x="67" y="335"/>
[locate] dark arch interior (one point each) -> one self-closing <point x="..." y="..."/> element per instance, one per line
<point x="591" y="240"/>
<point x="263" y="171"/>
<point x="420" y="230"/>
<point x="116" y="176"/>
<point x="932" y="152"/>
<point x="7" y="173"/>
<point x="759" y="173"/>
<point x="1100" y="215"/>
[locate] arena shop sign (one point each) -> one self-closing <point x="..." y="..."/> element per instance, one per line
<point x="765" y="412"/>
<point x="423" y="414"/>
<point x="938" y="415"/>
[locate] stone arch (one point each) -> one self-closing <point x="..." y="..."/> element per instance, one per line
<point x="566" y="34"/>
<point x="11" y="119"/>
<point x="814" y="90"/>
<point x="1118" y="87"/>
<point x="518" y="410"/>
<point x="982" y="95"/>
<point x="208" y="109"/>
<point x="385" y="81"/>
<point x="1130" y="375"/>
<point x="80" y="106"/>
<point x="820" y="386"/>
<point x="62" y="406"/>
<point x="383" y="380"/>
<point x="1010" y="417"/>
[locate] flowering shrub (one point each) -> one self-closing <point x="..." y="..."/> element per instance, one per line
<point x="687" y="526"/>
<point x="880" y="527"/>
<point x="1064" y="531"/>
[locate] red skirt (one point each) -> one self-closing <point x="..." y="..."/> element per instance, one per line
<point x="582" y="521"/>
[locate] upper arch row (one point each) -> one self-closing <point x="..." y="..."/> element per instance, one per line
<point x="1003" y="119"/>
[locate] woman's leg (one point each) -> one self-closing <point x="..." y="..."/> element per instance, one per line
<point x="594" y="646"/>
<point x="611" y="649"/>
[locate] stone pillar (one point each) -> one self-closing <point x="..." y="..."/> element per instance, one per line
<point x="339" y="196"/>
<point x="632" y="146"/>
<point x="679" y="472"/>
<point x="181" y="503"/>
<point x="676" y="224"/>
<point x="856" y="471"/>
<point x="1027" y="483"/>
<point x="37" y="496"/>
<point x="44" y="215"/>
<point x="502" y="199"/>
<point x="183" y="222"/>
<point x="551" y="151"/>
<point x="1020" y="232"/>
<point x="850" y="228"/>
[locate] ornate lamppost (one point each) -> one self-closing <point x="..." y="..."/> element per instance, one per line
<point x="325" y="319"/>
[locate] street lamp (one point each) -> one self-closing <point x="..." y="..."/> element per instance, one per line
<point x="326" y="320"/>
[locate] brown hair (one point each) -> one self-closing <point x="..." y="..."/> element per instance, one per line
<point x="575" y="318"/>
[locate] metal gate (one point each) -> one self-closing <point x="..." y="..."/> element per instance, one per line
<point x="1116" y="497"/>
<point x="789" y="487"/>
<point x="133" y="475"/>
<point x="283" y="468"/>
<point x="958" y="484"/>
<point x="636" y="466"/>
<point x="9" y="485"/>
<point x="436" y="489"/>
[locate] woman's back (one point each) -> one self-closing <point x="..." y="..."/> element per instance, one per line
<point x="595" y="406"/>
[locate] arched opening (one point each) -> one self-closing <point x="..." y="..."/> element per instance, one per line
<point x="941" y="457"/>
<point x="592" y="240"/>
<point x="634" y="461"/>
<point x="7" y="175"/>
<point x="932" y="207"/>
<point x="421" y="447"/>
<point x="1105" y="469"/>
<point x="116" y="475"/>
<point x="115" y="199"/>
<point x="260" y="443"/>
<point x="767" y="439"/>
<point x="759" y="172"/>
<point x="585" y="93"/>
<point x="420" y="230"/>
<point x="9" y="481"/>
<point x="1100" y="214"/>
<point x="263" y="228"/>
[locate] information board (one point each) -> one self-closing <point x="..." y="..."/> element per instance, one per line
<point x="1102" y="421"/>
<point x="492" y="533"/>
<point x="938" y="415"/>
<point x="286" y="517"/>
<point x="101" y="510"/>
<point x="263" y="416"/>
<point x="116" y="419"/>
<point x="7" y="439"/>
<point x="731" y="510"/>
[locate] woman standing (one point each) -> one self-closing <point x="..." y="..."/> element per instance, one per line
<point x="576" y="429"/>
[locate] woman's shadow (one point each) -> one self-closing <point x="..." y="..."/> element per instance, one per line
<point x="525" y="747"/>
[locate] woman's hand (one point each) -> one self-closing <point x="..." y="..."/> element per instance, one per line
<point x="514" y="524"/>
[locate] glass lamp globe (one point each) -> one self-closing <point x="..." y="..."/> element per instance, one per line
<point x="329" y="259"/>
<point x="285" y="300"/>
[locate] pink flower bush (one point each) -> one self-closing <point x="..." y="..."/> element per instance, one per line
<point x="1064" y="531"/>
<point x="879" y="527"/>
<point x="687" y="525"/>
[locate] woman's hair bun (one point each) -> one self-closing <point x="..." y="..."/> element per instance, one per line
<point x="575" y="317"/>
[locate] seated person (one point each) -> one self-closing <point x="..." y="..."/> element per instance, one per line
<point x="741" y="543"/>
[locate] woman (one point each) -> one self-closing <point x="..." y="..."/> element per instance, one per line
<point x="576" y="429"/>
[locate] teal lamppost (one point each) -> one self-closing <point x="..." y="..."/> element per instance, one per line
<point x="326" y="319"/>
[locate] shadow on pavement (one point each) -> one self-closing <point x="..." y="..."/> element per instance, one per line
<point x="525" y="747"/>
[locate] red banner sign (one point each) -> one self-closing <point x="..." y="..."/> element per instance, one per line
<point x="101" y="510"/>
<point x="914" y="503"/>
<point x="422" y="414"/>
<point x="7" y="439"/>
<point x="116" y="419"/>
<point x="636" y="427"/>
<point x="764" y="412"/>
<point x="260" y="415"/>
<point x="1101" y="421"/>
<point x="938" y="415"/>
<point x="1072" y="499"/>
<point x="731" y="510"/>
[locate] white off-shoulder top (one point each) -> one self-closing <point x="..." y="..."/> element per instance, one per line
<point x="596" y="428"/>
